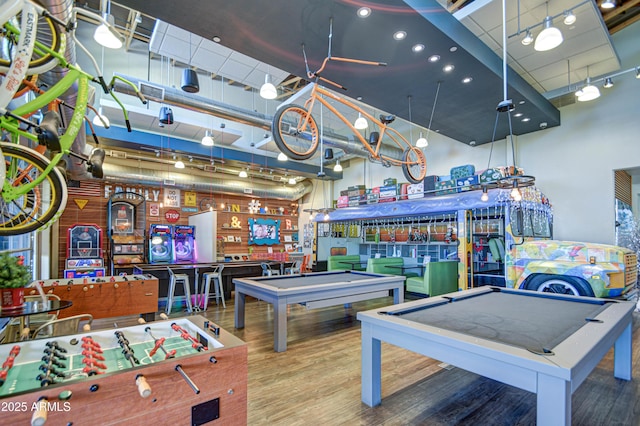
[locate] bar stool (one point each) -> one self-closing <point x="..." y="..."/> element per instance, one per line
<point x="178" y="279"/>
<point x="218" y="293"/>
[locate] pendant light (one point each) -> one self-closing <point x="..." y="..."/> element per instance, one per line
<point x="588" y="92"/>
<point x="423" y="142"/>
<point x="282" y="157"/>
<point x="190" y="82"/>
<point x="268" y="90"/>
<point x="106" y="34"/>
<point x="100" y="119"/>
<point x="550" y="37"/>
<point x="513" y="181"/>
<point x="207" y="139"/>
<point x="337" y="167"/>
<point x="361" y="122"/>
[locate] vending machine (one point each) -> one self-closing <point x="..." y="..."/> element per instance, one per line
<point x="184" y="243"/>
<point x="84" y="251"/>
<point x="160" y="244"/>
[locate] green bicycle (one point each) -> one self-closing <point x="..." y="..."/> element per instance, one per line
<point x="34" y="192"/>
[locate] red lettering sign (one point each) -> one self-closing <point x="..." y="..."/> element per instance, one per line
<point x="172" y="216"/>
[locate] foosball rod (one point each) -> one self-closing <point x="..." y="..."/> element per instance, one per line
<point x="170" y="354"/>
<point x="187" y="379"/>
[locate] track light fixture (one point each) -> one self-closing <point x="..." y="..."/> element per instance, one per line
<point x="166" y="115"/>
<point x="608" y="83"/>
<point x="528" y="38"/>
<point x="569" y="17"/>
<point x="282" y="157"/>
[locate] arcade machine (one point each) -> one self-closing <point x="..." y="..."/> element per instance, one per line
<point x="160" y="244"/>
<point x="184" y="243"/>
<point x="84" y="252"/>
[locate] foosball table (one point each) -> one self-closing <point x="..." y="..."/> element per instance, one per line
<point x="105" y="297"/>
<point x="178" y="371"/>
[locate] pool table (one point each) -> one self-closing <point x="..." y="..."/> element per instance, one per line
<point x="540" y="342"/>
<point x="314" y="290"/>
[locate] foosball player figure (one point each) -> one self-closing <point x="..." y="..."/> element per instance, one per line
<point x="6" y="366"/>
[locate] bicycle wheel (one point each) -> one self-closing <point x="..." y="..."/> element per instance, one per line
<point x="414" y="166"/>
<point x="295" y="138"/>
<point x="37" y="207"/>
<point x="48" y="36"/>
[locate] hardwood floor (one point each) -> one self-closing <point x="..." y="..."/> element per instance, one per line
<point x="317" y="380"/>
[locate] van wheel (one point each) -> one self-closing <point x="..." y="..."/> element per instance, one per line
<point x="559" y="284"/>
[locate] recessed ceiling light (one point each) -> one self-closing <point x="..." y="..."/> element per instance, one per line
<point x="518" y="114"/>
<point x="453" y="48"/>
<point x="364" y="12"/>
<point x="448" y="68"/>
<point x="417" y="48"/>
<point x="434" y="58"/>
<point x="524" y="120"/>
<point x="217" y="39"/>
<point x="467" y="80"/>
<point x="399" y="35"/>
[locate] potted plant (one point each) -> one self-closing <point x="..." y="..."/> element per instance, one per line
<point x="14" y="276"/>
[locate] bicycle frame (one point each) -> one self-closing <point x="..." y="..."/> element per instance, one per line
<point x="317" y="93"/>
<point x="9" y="192"/>
<point x="75" y="73"/>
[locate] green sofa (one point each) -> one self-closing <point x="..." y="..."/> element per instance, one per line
<point x="334" y="263"/>
<point x="379" y="266"/>
<point x="439" y="278"/>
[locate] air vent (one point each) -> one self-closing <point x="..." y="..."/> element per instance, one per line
<point x="563" y="100"/>
<point x="248" y="191"/>
<point x="208" y="168"/>
<point x="152" y="92"/>
<point x="169" y="182"/>
<point x="117" y="154"/>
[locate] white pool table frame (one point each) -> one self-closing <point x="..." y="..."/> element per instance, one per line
<point x="553" y="378"/>
<point x="313" y="296"/>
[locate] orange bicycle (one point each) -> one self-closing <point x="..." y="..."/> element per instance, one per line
<point x="296" y="133"/>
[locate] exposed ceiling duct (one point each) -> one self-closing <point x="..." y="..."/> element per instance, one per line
<point x="192" y="181"/>
<point x="172" y="96"/>
<point x="62" y="10"/>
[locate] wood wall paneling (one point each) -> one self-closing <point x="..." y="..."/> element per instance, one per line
<point x="88" y="203"/>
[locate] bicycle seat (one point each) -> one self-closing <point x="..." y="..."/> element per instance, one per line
<point x="387" y="119"/>
<point x="48" y="131"/>
<point x="94" y="165"/>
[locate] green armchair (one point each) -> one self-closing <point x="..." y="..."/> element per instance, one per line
<point x="379" y="266"/>
<point x="439" y="278"/>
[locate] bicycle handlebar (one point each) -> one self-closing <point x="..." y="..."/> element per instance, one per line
<point x="316" y="74"/>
